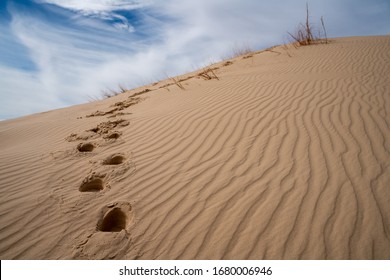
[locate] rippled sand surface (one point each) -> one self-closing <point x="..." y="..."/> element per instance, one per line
<point x="282" y="154"/>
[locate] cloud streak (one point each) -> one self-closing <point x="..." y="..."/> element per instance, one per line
<point x="107" y="10"/>
<point x="88" y="7"/>
<point x="64" y="51"/>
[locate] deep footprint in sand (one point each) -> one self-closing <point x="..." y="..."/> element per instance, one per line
<point x="85" y="147"/>
<point x="114" y="159"/>
<point x="115" y="217"/>
<point x="113" y="135"/>
<point x="93" y="183"/>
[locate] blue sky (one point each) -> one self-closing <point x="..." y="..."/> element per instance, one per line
<point x="57" y="53"/>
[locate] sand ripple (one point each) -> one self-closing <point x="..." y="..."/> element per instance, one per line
<point x="281" y="158"/>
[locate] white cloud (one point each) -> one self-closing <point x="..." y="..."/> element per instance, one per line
<point x="102" y="9"/>
<point x="90" y="52"/>
<point x="75" y="64"/>
<point x="22" y="93"/>
<point x="96" y="6"/>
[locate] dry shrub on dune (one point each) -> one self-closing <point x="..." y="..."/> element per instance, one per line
<point x="305" y="34"/>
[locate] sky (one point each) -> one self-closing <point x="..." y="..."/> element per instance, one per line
<point x="58" y="53"/>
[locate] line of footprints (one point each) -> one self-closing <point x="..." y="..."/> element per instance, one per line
<point x="116" y="216"/>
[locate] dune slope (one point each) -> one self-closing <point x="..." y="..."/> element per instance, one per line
<point x="285" y="156"/>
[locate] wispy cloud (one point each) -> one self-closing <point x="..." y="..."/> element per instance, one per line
<point x="56" y="53"/>
<point x="22" y="93"/>
<point x="107" y="10"/>
<point x="95" y="6"/>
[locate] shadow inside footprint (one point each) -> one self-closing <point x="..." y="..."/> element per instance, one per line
<point x="115" y="217"/>
<point x="113" y="135"/>
<point x="92" y="184"/>
<point x="114" y="159"/>
<point x="85" y="147"/>
<point x="114" y="221"/>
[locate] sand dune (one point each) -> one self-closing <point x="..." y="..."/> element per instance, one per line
<point x="285" y="156"/>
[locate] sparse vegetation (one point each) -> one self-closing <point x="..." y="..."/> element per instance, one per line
<point x="285" y="47"/>
<point x="110" y="93"/>
<point x="238" y="50"/>
<point x="324" y="29"/>
<point x="208" y="74"/>
<point x="305" y="33"/>
<point x="178" y="83"/>
<point x="247" y="56"/>
<point x="241" y="50"/>
<point x="141" y="92"/>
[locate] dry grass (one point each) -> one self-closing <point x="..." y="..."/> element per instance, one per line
<point x="238" y="50"/>
<point x="286" y="49"/>
<point x="208" y="74"/>
<point x="324" y="29"/>
<point x="305" y="33"/>
<point x="178" y="83"/>
<point x="111" y="93"/>
<point x="241" y="50"/>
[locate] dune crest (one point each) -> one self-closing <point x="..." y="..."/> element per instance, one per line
<point x="281" y="154"/>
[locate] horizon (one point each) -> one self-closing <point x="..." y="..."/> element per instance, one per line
<point x="60" y="53"/>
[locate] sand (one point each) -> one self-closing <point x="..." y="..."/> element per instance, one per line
<point x="285" y="156"/>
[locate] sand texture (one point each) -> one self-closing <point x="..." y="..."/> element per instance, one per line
<point x="285" y="156"/>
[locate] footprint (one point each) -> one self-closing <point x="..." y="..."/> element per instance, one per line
<point x="115" y="217"/>
<point x="101" y="113"/>
<point x="119" y="106"/>
<point x="106" y="127"/>
<point x="80" y="136"/>
<point x="93" y="183"/>
<point x="113" y="135"/>
<point x="114" y="159"/>
<point x="102" y="129"/>
<point x="85" y="147"/>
